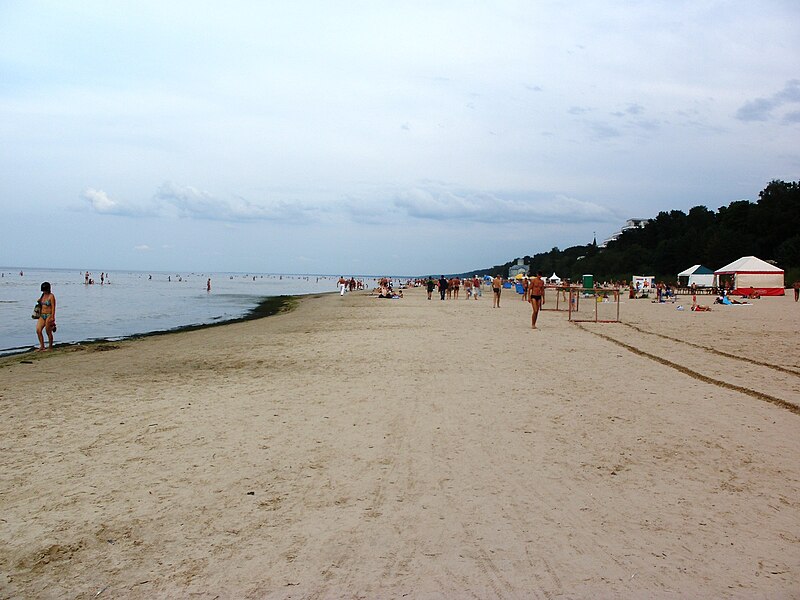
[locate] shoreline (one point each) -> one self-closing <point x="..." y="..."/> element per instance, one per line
<point x="357" y="447"/>
<point x="268" y="306"/>
<point x="135" y="304"/>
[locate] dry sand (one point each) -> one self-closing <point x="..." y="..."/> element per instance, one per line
<point x="365" y="448"/>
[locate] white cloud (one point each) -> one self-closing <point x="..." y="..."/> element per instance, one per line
<point x="100" y="201"/>
<point x="421" y="203"/>
<point x="142" y="248"/>
<point x="481" y="207"/>
<point x="193" y="203"/>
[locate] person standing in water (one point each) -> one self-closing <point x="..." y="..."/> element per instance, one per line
<point x="47" y="317"/>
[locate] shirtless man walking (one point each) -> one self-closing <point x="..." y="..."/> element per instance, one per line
<point x="497" y="286"/>
<point x="536" y="290"/>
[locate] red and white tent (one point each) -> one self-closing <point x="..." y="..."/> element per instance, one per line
<point x="751" y="272"/>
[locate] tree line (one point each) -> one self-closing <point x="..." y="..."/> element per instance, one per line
<point x="674" y="241"/>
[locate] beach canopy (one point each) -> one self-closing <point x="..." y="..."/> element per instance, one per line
<point x="554" y="278"/>
<point x="751" y="272"/>
<point x="699" y="275"/>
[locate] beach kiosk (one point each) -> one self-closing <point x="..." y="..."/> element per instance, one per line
<point x="751" y="272"/>
<point x="588" y="282"/>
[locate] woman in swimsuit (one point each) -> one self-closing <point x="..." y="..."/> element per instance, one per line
<point x="47" y="318"/>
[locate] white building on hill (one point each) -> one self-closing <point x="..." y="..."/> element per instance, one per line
<point x="629" y="224"/>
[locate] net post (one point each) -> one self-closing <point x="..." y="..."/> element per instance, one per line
<point x="600" y="294"/>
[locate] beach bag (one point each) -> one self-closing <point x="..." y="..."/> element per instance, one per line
<point x="37" y="310"/>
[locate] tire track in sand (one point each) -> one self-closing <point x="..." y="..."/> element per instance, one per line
<point x="715" y="351"/>
<point x="773" y="399"/>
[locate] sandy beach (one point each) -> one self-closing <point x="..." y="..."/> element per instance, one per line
<point x="365" y="448"/>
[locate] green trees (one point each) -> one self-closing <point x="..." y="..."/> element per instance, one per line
<point x="673" y="241"/>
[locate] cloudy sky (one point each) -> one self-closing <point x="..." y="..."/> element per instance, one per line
<point x="378" y="137"/>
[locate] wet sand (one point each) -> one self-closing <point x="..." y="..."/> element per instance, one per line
<point x="365" y="448"/>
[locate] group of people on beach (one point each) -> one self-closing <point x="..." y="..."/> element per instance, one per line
<point x="386" y="289"/>
<point x="449" y="289"/>
<point x="349" y="285"/>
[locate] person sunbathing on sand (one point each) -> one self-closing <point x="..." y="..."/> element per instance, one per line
<point x="729" y="301"/>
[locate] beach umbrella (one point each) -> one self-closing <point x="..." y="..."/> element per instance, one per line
<point x="519" y="276"/>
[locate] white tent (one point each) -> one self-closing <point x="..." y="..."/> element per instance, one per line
<point x="554" y="279"/>
<point x="751" y="272"/>
<point x="699" y="275"/>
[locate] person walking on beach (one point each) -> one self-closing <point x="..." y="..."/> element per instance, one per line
<point x="429" y="285"/>
<point x="208" y="285"/>
<point x="536" y="288"/>
<point x="796" y="286"/>
<point x="497" y="286"/>
<point x="342" y="285"/>
<point x="47" y="317"/>
<point x="442" y="286"/>
<point x="476" y="287"/>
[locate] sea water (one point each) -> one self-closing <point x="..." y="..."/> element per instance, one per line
<point x="132" y="303"/>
